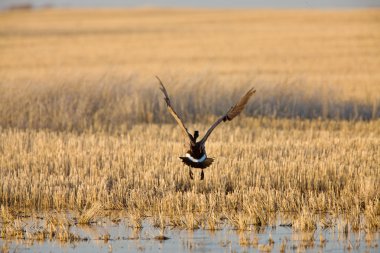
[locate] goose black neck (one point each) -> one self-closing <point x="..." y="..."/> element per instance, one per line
<point x="196" y="135"/>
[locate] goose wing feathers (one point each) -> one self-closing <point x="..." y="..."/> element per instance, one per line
<point x="238" y="108"/>
<point x="172" y="112"/>
<point x="232" y="112"/>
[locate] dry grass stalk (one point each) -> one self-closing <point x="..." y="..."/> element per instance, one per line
<point x="136" y="219"/>
<point x="265" y="247"/>
<point x="283" y="246"/>
<point x="305" y="221"/>
<point x="6" y="215"/>
<point x="322" y="240"/>
<point x="190" y="221"/>
<point x="88" y="216"/>
<point x="13" y="230"/>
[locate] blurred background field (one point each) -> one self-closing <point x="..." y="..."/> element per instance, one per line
<point x="84" y="69"/>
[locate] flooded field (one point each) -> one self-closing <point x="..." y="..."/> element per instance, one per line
<point x="118" y="235"/>
<point x="64" y="192"/>
<point x="89" y="153"/>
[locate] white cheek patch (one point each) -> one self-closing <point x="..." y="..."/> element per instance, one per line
<point x="196" y="160"/>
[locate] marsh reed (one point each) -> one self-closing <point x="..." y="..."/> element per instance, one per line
<point x="264" y="167"/>
<point x="84" y="129"/>
<point x="114" y="105"/>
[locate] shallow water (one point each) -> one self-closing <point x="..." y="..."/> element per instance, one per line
<point x="123" y="238"/>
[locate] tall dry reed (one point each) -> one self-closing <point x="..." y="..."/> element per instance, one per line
<point x="263" y="168"/>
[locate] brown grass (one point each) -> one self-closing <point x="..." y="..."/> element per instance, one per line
<point x="113" y="105"/>
<point x="263" y="168"/>
<point x="337" y="48"/>
<point x="77" y="92"/>
<point x="94" y="69"/>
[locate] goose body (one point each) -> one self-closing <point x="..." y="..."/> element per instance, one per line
<point x="196" y="156"/>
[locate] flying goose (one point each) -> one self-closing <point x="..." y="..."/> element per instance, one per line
<point x="196" y="156"/>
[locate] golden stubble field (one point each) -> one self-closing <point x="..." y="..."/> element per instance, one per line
<point x="80" y="69"/>
<point x="337" y="48"/>
<point x="83" y="126"/>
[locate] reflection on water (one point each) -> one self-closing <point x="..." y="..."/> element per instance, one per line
<point x="107" y="236"/>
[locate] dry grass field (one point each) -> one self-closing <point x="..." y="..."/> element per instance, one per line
<point x="332" y="48"/>
<point x="81" y="116"/>
<point x="263" y="168"/>
<point x="85" y="69"/>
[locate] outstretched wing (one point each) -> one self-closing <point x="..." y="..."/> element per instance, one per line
<point x="232" y="112"/>
<point x="172" y="112"/>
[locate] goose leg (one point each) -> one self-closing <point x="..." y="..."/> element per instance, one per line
<point x="202" y="175"/>
<point x="191" y="174"/>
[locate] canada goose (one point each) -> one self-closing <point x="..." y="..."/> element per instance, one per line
<point x="196" y="156"/>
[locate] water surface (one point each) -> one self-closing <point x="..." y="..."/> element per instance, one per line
<point x="107" y="236"/>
